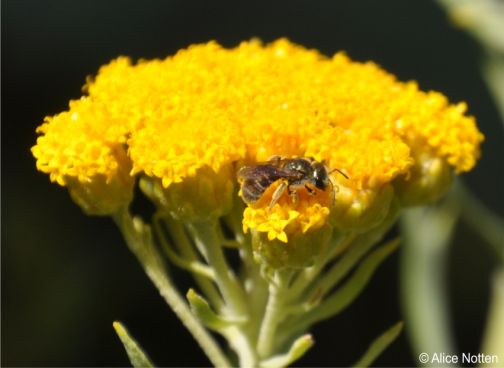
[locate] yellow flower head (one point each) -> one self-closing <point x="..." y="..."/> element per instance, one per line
<point x="211" y="108"/>
<point x="78" y="149"/>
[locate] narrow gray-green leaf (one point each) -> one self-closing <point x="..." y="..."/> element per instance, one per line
<point x="379" y="345"/>
<point x="347" y="293"/>
<point x="202" y="310"/>
<point x="135" y="353"/>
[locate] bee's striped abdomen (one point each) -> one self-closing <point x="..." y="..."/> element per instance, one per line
<point x="253" y="189"/>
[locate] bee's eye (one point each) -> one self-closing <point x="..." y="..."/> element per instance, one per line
<point x="320" y="176"/>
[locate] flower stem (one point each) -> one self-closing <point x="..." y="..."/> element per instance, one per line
<point x="206" y="236"/>
<point x="426" y="233"/>
<point x="181" y="239"/>
<point x="359" y="246"/>
<point x="139" y="241"/>
<point x="494" y="334"/>
<point x="274" y="314"/>
<point x="348" y="292"/>
<point x="254" y="285"/>
<point x="197" y="268"/>
<point x="336" y="246"/>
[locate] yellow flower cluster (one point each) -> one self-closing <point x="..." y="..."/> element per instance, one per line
<point x="288" y="216"/>
<point x="211" y="107"/>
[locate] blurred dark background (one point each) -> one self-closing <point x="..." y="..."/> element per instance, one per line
<point x="66" y="276"/>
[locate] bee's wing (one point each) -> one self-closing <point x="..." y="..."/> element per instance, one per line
<point x="261" y="171"/>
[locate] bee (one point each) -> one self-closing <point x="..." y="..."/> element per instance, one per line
<point x="294" y="173"/>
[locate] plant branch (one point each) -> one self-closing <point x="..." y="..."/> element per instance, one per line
<point x="139" y="241"/>
<point x="426" y="233"/>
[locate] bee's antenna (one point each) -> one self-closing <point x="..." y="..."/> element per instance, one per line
<point x="341" y="172"/>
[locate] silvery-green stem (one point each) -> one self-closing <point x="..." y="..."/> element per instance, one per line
<point x="139" y="241"/>
<point x="274" y="313"/>
<point x="180" y="237"/>
<point x="494" y="334"/>
<point x="427" y="232"/>
<point x="206" y="235"/>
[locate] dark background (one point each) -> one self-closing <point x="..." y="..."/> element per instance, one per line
<point x="66" y="277"/>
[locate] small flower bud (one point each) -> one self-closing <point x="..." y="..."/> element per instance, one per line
<point x="299" y="252"/>
<point x="359" y="210"/>
<point x="205" y="195"/>
<point x="429" y="179"/>
<point x="101" y="195"/>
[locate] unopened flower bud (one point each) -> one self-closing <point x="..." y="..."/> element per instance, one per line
<point x="299" y="252"/>
<point x="205" y="195"/>
<point x="359" y="210"/>
<point x="429" y="179"/>
<point x="101" y="196"/>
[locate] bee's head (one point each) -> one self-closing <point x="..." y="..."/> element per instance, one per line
<point x="320" y="175"/>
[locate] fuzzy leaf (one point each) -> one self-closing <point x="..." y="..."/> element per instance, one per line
<point x="202" y="310"/>
<point x="379" y="345"/>
<point x="297" y="350"/>
<point x="135" y="353"/>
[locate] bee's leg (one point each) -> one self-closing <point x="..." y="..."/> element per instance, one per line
<point x="293" y="194"/>
<point x="278" y="193"/>
<point x="334" y="190"/>
<point x="310" y="190"/>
